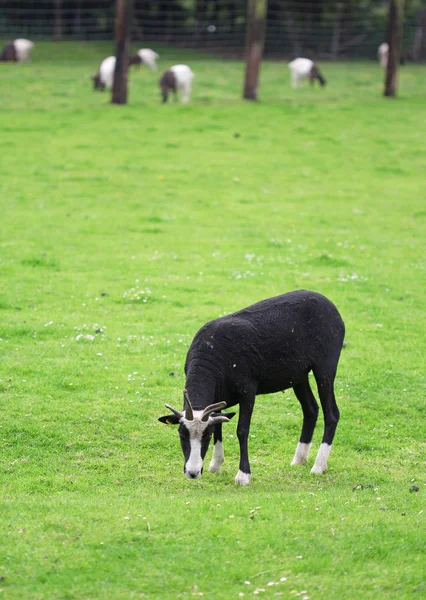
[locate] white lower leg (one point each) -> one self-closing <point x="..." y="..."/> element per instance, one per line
<point x="242" y="478"/>
<point x="320" y="465"/>
<point x="217" y="458"/>
<point x="301" y="454"/>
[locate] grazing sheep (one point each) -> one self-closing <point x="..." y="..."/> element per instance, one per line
<point x="148" y="57"/>
<point x="178" y="77"/>
<point x="264" y="348"/>
<point x="104" y="78"/>
<point x="17" y="51"/>
<point x="383" y="53"/>
<point x="303" y="68"/>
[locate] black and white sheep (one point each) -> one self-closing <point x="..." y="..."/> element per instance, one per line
<point x="18" y="50"/>
<point x="104" y="78"/>
<point x="264" y="348"/>
<point x="304" y="68"/>
<point x="177" y="78"/>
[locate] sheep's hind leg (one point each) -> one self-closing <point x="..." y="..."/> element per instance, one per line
<point x="310" y="414"/>
<point x="218" y="455"/>
<point x="325" y="384"/>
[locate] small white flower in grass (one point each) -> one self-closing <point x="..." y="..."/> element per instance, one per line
<point x="127" y="518"/>
<point x="300" y="556"/>
<point x="271" y="583"/>
<point x="283" y="578"/>
<point x="247" y="582"/>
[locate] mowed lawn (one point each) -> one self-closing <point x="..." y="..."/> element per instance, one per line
<point x="123" y="230"/>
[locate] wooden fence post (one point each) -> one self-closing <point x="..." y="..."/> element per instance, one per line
<point x="123" y="26"/>
<point x="256" y="23"/>
<point x="394" y="35"/>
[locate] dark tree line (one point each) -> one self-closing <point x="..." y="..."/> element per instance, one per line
<point x="333" y="28"/>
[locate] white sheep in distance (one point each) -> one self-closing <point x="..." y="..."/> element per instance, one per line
<point x="148" y="57"/>
<point x="303" y="68"/>
<point x="383" y="53"/>
<point x="104" y="78"/>
<point x="177" y="78"/>
<point x="18" y="50"/>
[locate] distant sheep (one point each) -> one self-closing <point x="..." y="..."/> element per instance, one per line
<point x="17" y="51"/>
<point x="383" y="53"/>
<point x="104" y="78"/>
<point x="177" y="78"/>
<point x="148" y="57"/>
<point x="303" y="68"/>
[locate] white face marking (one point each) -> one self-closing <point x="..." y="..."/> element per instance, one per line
<point x="217" y="458"/>
<point x="320" y="465"/>
<point x="242" y="478"/>
<point x="195" y="462"/>
<point x="301" y="454"/>
<point x="196" y="428"/>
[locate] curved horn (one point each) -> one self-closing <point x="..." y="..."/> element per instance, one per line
<point x="216" y="419"/>
<point x="212" y="408"/>
<point x="189" y="416"/>
<point x="174" y="411"/>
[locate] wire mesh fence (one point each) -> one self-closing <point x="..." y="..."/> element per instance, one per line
<point x="321" y="28"/>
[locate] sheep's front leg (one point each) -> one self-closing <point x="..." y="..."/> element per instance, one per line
<point x="186" y="91"/>
<point x="218" y="456"/>
<point x="243" y="429"/>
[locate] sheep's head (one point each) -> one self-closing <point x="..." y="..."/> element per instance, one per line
<point x="167" y="82"/>
<point x="8" y="53"/>
<point x="98" y="84"/>
<point x="135" y="59"/>
<point x="196" y="428"/>
<point x="316" y="74"/>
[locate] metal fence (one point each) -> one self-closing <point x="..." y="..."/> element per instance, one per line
<point x="321" y="28"/>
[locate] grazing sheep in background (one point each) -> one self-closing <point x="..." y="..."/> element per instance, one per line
<point x="265" y="348"/>
<point x="104" y="78"/>
<point x="303" y="68"/>
<point x="149" y="58"/>
<point x="178" y="77"/>
<point x="17" y="51"/>
<point x="383" y="53"/>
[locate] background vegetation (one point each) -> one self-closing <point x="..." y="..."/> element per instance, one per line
<point x="313" y="28"/>
<point x="123" y="230"/>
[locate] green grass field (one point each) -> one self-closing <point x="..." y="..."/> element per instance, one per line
<point x="135" y="225"/>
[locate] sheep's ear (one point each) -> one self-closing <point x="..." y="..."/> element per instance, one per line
<point x="228" y="415"/>
<point x="221" y="417"/>
<point x="169" y="420"/>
